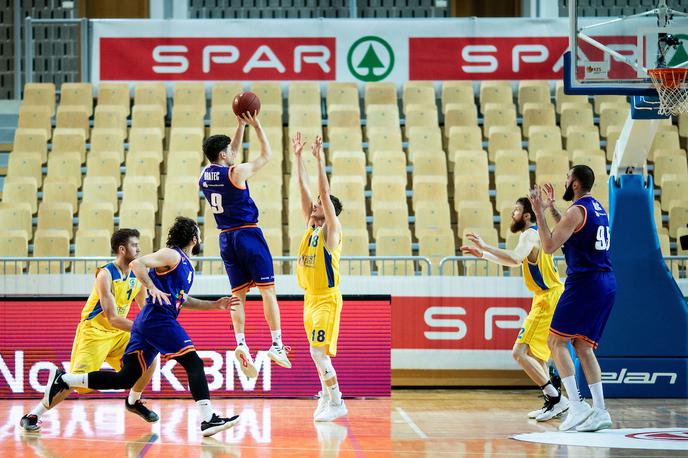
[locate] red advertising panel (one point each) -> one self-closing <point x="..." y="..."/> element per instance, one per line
<point x="215" y="59"/>
<point x="36" y="336"/>
<point x="486" y="58"/>
<point x="457" y="323"/>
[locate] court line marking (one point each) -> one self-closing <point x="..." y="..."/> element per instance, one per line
<point x="402" y="413"/>
<point x="153" y="438"/>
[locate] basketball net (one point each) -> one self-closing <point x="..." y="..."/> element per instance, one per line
<point x="672" y="89"/>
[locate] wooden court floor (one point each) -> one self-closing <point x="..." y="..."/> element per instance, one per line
<point x="412" y="423"/>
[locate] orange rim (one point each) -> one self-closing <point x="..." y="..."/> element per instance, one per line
<point x="669" y="77"/>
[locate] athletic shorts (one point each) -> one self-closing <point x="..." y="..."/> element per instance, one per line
<point x="247" y="259"/>
<point x="155" y="332"/>
<point x="584" y="307"/>
<point x="93" y="346"/>
<point x="321" y="314"/>
<point x="535" y="328"/>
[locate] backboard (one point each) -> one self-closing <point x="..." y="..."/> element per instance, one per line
<point x="611" y="55"/>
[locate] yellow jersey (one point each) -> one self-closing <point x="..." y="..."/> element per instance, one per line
<point x="317" y="268"/>
<point x="124" y="289"/>
<point x="541" y="275"/>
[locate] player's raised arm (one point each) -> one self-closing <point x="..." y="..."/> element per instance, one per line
<point x="334" y="228"/>
<point x="552" y="240"/>
<point x="236" y="145"/>
<point x="246" y="170"/>
<point x="163" y="258"/>
<point x="223" y="303"/>
<point x="297" y="145"/>
<point x="511" y="258"/>
<point x="107" y="302"/>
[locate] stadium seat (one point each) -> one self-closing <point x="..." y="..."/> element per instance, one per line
<point x="41" y="95"/>
<point x="664" y="139"/>
<point x="148" y="116"/>
<point x="190" y="95"/>
<point x="596" y="162"/>
<point x="182" y="190"/>
<point x="348" y="189"/>
<point x="613" y="133"/>
<point x="582" y="138"/>
<point x="459" y="114"/>
<point x="380" y="93"/>
<point x="436" y="244"/>
<point x="21" y="164"/>
<point x="389" y="164"/>
<point x="382" y="139"/>
<point x="394" y="242"/>
<point x="170" y="210"/>
<point x="683" y="126"/>
<point x="147" y="140"/>
<point x="73" y="117"/>
<point x="474" y="165"/>
<point x="343" y="116"/>
<point x="55" y="215"/>
<point x="531" y="91"/>
<point x="512" y="162"/>
<point x="469" y="187"/>
<point x="100" y="189"/>
<point x="457" y="92"/>
<point x="91" y="242"/>
<point x="269" y="93"/>
<point x="65" y="165"/>
<point x="678" y="216"/>
<point x="575" y="115"/>
<point x="421" y="116"/>
<point x="464" y="138"/>
<point x="389" y="215"/>
<point x="77" y="95"/>
<point x="670" y="164"/>
<point x="480" y="267"/>
<point x="430" y="188"/>
<point x="342" y="94"/>
<point x="599" y="101"/>
<point x="104" y="164"/>
<point x="674" y="187"/>
<point x="548" y="163"/>
<point x="505" y="212"/>
<point x="388" y="189"/>
<point x="69" y="140"/>
<point x="665" y="247"/>
<point x="274" y="239"/>
<point x="356" y="244"/>
<point x="353" y="217"/>
<point x="139" y="215"/>
<point x="110" y="117"/>
<point x="35" y="117"/>
<point x="537" y="114"/>
<point x="185" y="139"/>
<point x="351" y="163"/>
<point x="151" y="94"/>
<point x="304" y="117"/>
<point x="142" y="164"/>
<point x="429" y="216"/>
<point x="14" y="244"/>
<point x="16" y="216"/>
<point x="50" y="243"/>
<point x="222" y="93"/>
<point x="31" y="141"/>
<point x="187" y="116"/>
<point x="503" y="138"/>
<point x="561" y="98"/>
<point x="139" y="190"/>
<point x="183" y="163"/>
<point x="270" y="215"/>
<point x="509" y="188"/>
<point x="96" y="215"/>
<point x="474" y="214"/>
<point x="304" y="93"/>
<point x="495" y="114"/>
<point x="346" y="139"/>
<point x="497" y="92"/>
<point x="382" y="116"/>
<point x="109" y="141"/>
<point x="612" y="114"/>
<point x="21" y="189"/>
<point x="423" y="140"/>
<point x="57" y="189"/>
<point x="114" y="94"/>
<point x="429" y="164"/>
<point x="415" y="94"/>
<point x="544" y="138"/>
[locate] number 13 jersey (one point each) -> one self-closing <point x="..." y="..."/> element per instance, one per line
<point x="230" y="202"/>
<point x="587" y="250"/>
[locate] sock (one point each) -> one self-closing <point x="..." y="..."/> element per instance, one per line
<point x="205" y="411"/>
<point x="39" y="410"/>
<point x="571" y="389"/>
<point x="277" y="337"/>
<point x="76" y="380"/>
<point x="549" y="390"/>
<point x="323" y="388"/>
<point x="335" y="394"/>
<point x="597" y="395"/>
<point x="240" y="338"/>
<point x="133" y="396"/>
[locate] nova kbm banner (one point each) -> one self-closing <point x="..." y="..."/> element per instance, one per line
<point x="37" y="336"/>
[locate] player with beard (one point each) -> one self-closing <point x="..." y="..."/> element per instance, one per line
<point x="584" y="307"/>
<point x="541" y="277"/>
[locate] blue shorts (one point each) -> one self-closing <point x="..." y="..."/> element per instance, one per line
<point x="584" y="307"/>
<point x="247" y="259"/>
<point x="155" y="331"/>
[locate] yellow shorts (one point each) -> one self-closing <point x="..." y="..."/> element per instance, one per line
<point x="321" y="319"/>
<point x="93" y="346"/>
<point x="535" y="328"/>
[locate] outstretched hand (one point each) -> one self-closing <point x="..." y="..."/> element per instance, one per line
<point x="547" y="195"/>
<point x="251" y="119"/>
<point x="476" y="240"/>
<point x="472" y="250"/>
<point x="316" y="148"/>
<point x="158" y="297"/>
<point x="227" y="303"/>
<point x="297" y="144"/>
<point x="536" y="200"/>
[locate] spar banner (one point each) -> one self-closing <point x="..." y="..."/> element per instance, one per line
<point x="37" y="336"/>
<point x="330" y="50"/>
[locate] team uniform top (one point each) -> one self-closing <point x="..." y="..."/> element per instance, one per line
<point x="318" y="267"/>
<point x="541" y="275"/>
<point x="176" y="282"/>
<point x="587" y="250"/>
<point x="124" y="289"/>
<point x="231" y="202"/>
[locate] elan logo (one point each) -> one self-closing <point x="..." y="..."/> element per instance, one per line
<point x="638" y="378"/>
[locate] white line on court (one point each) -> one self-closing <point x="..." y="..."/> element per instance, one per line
<point x="411" y="423"/>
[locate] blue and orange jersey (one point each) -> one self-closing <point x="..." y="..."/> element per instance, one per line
<point x="587" y="250"/>
<point x="541" y="275"/>
<point x="231" y="202"/>
<point x="317" y="267"/>
<point x="124" y="289"/>
<point x="176" y="282"/>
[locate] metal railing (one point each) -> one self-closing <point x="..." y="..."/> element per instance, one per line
<point x="349" y="265"/>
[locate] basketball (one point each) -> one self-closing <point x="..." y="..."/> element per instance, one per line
<point x="246" y="102"/>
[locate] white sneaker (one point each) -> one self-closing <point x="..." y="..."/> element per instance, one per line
<point x="245" y="362"/>
<point x="600" y="419"/>
<point x="279" y="355"/>
<point x="332" y="411"/>
<point x="323" y="401"/>
<point x="534" y="413"/>
<point x="578" y="413"/>
<point x="554" y="408"/>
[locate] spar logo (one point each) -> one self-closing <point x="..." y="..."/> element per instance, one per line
<point x="678" y="435"/>
<point x="370" y="59"/>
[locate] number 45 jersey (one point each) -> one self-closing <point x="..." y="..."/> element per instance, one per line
<point x="230" y="202"/>
<point x="587" y="250"/>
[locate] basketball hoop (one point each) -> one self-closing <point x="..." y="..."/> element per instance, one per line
<point x="672" y="89"/>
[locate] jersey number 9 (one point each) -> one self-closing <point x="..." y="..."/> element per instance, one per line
<point x="216" y="203"/>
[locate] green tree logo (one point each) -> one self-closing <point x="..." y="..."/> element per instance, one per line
<point x="679" y="55"/>
<point x="370" y="59"/>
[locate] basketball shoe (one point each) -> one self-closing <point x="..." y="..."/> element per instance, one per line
<point x="245" y="362"/>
